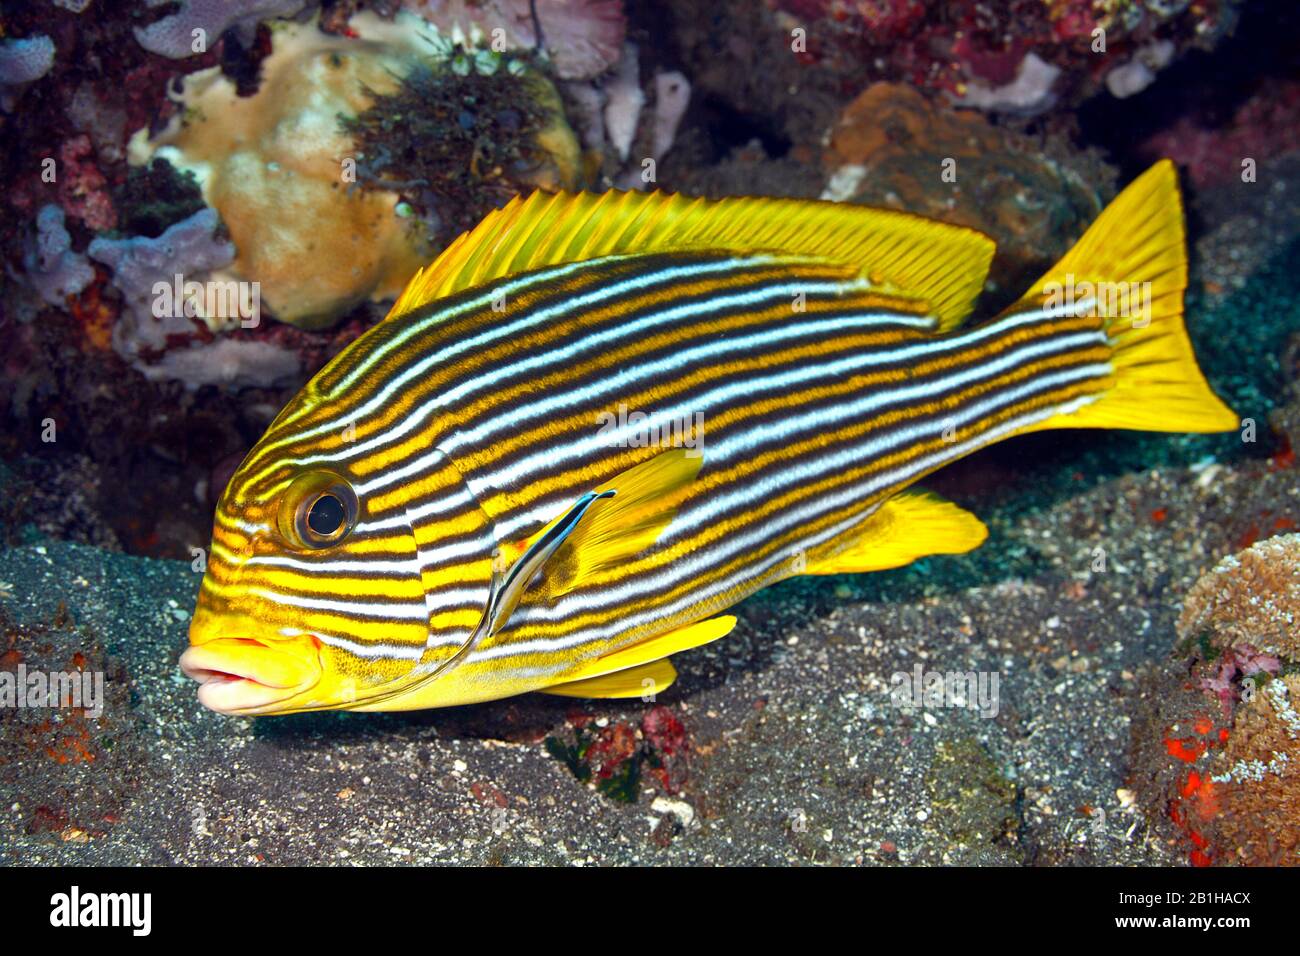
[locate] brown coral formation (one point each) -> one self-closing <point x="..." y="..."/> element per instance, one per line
<point x="1243" y="617"/>
<point x="1219" y="752"/>
<point x="1249" y="598"/>
<point x="1258" y="775"/>
<point x="892" y="147"/>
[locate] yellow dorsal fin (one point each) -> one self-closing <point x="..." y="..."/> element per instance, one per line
<point x="616" y="529"/>
<point x="910" y="525"/>
<point x="650" y="651"/>
<point x="640" y="681"/>
<point x="941" y="264"/>
<point x="1133" y="262"/>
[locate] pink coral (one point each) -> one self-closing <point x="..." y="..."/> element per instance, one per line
<point x="954" y="45"/>
<point x="82" y="187"/>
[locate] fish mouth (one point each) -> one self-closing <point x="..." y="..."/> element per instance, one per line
<point x="242" y="675"/>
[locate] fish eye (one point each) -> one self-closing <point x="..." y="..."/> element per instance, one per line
<point x="326" y="515"/>
<point x="319" y="511"/>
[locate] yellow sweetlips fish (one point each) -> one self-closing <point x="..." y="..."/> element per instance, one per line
<point x="595" y="422"/>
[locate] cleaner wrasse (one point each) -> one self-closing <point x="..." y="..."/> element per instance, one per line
<point x="596" y="422"/>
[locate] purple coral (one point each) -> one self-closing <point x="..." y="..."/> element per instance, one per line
<point x="582" y="38"/>
<point x="146" y="271"/>
<point x="23" y="61"/>
<point x="53" y="269"/>
<point x="174" y="36"/>
<point x="188" y="249"/>
<point x="228" y="362"/>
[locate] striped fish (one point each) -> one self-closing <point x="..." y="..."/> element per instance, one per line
<point x="598" y="421"/>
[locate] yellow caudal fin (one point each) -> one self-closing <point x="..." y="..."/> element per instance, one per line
<point x="1132" y="262"/>
<point x="643" y="681"/>
<point x="941" y="265"/>
<point x="910" y="525"/>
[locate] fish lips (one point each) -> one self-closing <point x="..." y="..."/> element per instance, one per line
<point x="241" y="675"/>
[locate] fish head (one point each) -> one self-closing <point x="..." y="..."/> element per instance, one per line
<point x="318" y="593"/>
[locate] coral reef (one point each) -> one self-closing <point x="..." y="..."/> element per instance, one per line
<point x="1230" y="774"/>
<point x="166" y="330"/>
<point x="1030" y="93"/>
<point x="617" y="757"/>
<point x="156" y="196"/>
<point x="1138" y="73"/>
<point x="462" y="134"/>
<point x="274" y="165"/>
<point x="1213" y="148"/>
<point x="83" y="188"/>
<point x="1258" y="779"/>
<point x="1023" y="56"/>
<point x="25" y="60"/>
<point x="229" y="362"/>
<point x="623" y="101"/>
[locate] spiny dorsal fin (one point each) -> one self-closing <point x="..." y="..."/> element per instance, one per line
<point x="941" y="264"/>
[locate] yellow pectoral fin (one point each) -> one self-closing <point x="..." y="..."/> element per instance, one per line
<point x="640" y="681"/>
<point x="643" y="657"/>
<point x="616" y="529"/>
<point x="911" y="525"/>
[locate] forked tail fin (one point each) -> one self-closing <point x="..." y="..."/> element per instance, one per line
<point x="1132" y="262"/>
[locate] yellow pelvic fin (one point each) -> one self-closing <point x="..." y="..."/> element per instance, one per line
<point x="651" y="651"/>
<point x="618" y="528"/>
<point x="1133" y="260"/>
<point x="640" y="681"/>
<point x="910" y="525"/>
<point x="941" y="264"/>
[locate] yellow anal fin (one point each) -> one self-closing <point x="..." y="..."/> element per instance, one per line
<point x="640" y="681"/>
<point x="644" y="654"/>
<point x="618" y="528"/>
<point x="910" y="525"/>
<point x="1132" y="263"/>
<point x="942" y="264"/>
